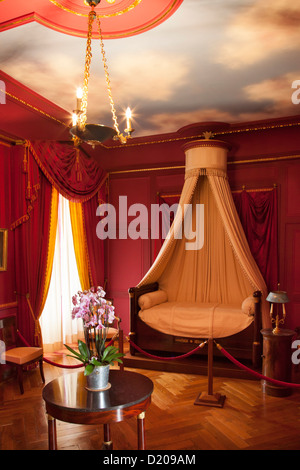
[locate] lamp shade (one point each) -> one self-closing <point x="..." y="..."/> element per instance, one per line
<point x="278" y="297"/>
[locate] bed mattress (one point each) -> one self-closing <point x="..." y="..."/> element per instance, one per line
<point x="196" y="320"/>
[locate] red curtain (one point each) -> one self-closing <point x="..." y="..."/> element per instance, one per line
<point x="31" y="207"/>
<point x="95" y="246"/>
<point x="258" y="213"/>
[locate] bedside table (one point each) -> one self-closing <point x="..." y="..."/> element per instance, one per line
<point x="277" y="361"/>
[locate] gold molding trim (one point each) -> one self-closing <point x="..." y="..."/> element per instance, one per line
<point x="254" y="190"/>
<point x="109" y="15"/>
<point x="3" y="249"/>
<point x="180" y="167"/>
<point x="34" y="107"/>
<point x="9" y="305"/>
<point x="18" y="21"/>
<point x="5" y="144"/>
<point x="265" y="159"/>
<point x="137" y="170"/>
<point x="151" y="25"/>
<point x="9" y="141"/>
<point x="123" y="34"/>
<point x="162" y="195"/>
<point x="35" y="17"/>
<point x="200" y="136"/>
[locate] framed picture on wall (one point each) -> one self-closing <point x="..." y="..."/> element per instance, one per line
<point x="3" y="249"/>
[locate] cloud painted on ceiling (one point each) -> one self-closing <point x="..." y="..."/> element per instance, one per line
<point x="211" y="60"/>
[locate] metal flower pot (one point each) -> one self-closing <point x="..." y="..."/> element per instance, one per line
<point x="98" y="379"/>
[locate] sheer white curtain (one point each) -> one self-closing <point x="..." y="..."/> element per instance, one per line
<point x="56" y="321"/>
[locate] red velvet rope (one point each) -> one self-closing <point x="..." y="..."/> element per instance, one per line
<point x="63" y="366"/>
<point x="257" y="374"/>
<point x="166" y="358"/>
<point x="224" y="352"/>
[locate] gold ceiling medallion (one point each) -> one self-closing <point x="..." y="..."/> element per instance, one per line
<point x="132" y="5"/>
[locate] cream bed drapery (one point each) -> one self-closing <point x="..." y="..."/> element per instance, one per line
<point x="223" y="271"/>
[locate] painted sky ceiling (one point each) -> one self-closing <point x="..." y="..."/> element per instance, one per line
<point x="210" y="60"/>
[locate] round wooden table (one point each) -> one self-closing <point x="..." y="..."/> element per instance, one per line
<point x="68" y="400"/>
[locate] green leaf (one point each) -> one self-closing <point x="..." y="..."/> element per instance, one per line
<point x="72" y="350"/>
<point x="105" y="353"/>
<point x="111" y="354"/>
<point x="95" y="362"/>
<point x="78" y="358"/>
<point x="88" y="369"/>
<point x="84" y="350"/>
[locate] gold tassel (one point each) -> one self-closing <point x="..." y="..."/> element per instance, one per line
<point x="28" y="193"/>
<point x="37" y="329"/>
<point x="77" y="167"/>
<point x="25" y="159"/>
<point x="28" y="190"/>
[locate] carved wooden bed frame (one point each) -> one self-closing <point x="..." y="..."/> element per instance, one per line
<point x="244" y="345"/>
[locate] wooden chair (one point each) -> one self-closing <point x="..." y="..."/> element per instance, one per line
<point x="20" y="356"/>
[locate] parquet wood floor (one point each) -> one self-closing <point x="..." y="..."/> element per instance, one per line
<point x="249" y="419"/>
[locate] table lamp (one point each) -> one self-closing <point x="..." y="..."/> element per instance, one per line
<point x="277" y="297"/>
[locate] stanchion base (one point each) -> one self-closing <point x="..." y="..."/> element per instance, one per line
<point x="205" y="399"/>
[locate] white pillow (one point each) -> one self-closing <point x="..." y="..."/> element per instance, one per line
<point x="248" y="306"/>
<point x="152" y="298"/>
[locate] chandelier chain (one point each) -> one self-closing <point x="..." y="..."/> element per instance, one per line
<point x="112" y="105"/>
<point x="88" y="58"/>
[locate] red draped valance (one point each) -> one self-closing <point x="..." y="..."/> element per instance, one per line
<point x="73" y="174"/>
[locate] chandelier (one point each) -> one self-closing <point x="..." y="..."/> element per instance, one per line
<point x="81" y="131"/>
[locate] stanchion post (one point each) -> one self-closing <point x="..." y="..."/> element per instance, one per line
<point x="256" y="346"/>
<point x="209" y="398"/>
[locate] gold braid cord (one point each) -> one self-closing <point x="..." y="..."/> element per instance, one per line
<point x="113" y="110"/>
<point x="88" y="58"/>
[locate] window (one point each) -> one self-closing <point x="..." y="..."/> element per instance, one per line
<point x="56" y="321"/>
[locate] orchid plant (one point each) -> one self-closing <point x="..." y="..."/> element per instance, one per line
<point x="97" y="314"/>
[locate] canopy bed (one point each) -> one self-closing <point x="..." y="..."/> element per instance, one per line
<point x="202" y="289"/>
